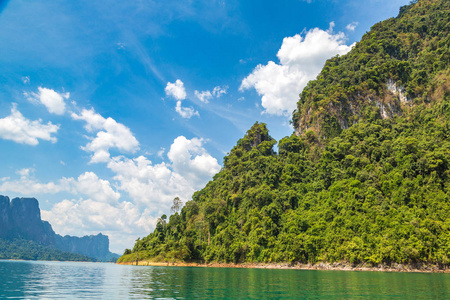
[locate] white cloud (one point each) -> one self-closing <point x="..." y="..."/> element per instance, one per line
<point x="87" y="184"/>
<point x="152" y="186"/>
<point x="204" y="96"/>
<point x="161" y="152"/>
<point x="25" y="172"/>
<point x="52" y="100"/>
<point x="185" y="112"/>
<point x="191" y="161"/>
<point x="207" y="95"/>
<point x="98" y="205"/>
<point x="98" y="189"/>
<point x="98" y="208"/>
<point x="122" y="222"/>
<point x="352" y="26"/>
<point x="189" y="169"/>
<point x="110" y="134"/>
<point x="301" y="59"/>
<point x="176" y="90"/>
<point x="26" y="80"/>
<point x="219" y="91"/>
<point x="34" y="187"/>
<point x="17" y="128"/>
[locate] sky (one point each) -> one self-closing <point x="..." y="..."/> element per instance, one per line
<point x="111" y="109"/>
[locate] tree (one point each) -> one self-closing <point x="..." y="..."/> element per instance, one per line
<point x="176" y="206"/>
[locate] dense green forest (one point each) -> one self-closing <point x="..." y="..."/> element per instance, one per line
<point x="29" y="250"/>
<point x="411" y="51"/>
<point x="350" y="185"/>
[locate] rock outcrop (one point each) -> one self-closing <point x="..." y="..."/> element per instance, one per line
<point x="20" y="218"/>
<point x="96" y="246"/>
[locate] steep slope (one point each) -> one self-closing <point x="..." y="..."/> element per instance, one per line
<point x="364" y="179"/>
<point x="21" y="218"/>
<point x="401" y="62"/>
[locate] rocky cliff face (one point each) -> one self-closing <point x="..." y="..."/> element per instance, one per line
<point x="20" y="218"/>
<point x="96" y="246"/>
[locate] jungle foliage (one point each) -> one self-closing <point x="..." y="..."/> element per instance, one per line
<point x="412" y="50"/>
<point x="377" y="192"/>
<point x="30" y="250"/>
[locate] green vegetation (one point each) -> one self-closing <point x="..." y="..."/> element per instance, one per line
<point x="412" y="50"/>
<point x="377" y="192"/>
<point x="29" y="250"/>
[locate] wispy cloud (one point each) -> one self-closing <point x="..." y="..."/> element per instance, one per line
<point x="352" y="26"/>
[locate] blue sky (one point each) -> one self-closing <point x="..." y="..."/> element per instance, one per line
<point x="110" y="109"/>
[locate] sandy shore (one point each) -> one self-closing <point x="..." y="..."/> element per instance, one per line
<point x="297" y="266"/>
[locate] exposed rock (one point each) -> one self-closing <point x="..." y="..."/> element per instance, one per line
<point x="399" y="91"/>
<point x="21" y="218"/>
<point x="96" y="246"/>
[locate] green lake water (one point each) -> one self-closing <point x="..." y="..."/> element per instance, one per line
<point x="67" y="280"/>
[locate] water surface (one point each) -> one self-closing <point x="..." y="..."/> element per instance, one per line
<point x="59" y="280"/>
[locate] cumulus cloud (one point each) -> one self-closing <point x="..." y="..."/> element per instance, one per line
<point x="25" y="172"/>
<point x="98" y="189"/>
<point x="352" y="26"/>
<point x="149" y="185"/>
<point x="176" y="90"/>
<point x="123" y="222"/>
<point x="185" y="112"/>
<point x="110" y="134"/>
<point x="189" y="168"/>
<point x="87" y="184"/>
<point x="301" y="58"/>
<point x="34" y="187"/>
<point x="191" y="161"/>
<point x="98" y="204"/>
<point x="52" y="100"/>
<point x="19" y="129"/>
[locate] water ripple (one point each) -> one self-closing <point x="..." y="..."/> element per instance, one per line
<point x="68" y="280"/>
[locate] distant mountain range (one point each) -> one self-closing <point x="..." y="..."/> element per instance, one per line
<point x="23" y="235"/>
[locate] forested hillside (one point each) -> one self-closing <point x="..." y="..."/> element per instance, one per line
<point x="401" y="62"/>
<point x="31" y="250"/>
<point x="364" y="179"/>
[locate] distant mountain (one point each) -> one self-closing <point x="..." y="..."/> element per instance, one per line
<point x="96" y="246"/>
<point x="23" y="231"/>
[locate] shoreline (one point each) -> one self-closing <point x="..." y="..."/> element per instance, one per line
<point x="297" y="266"/>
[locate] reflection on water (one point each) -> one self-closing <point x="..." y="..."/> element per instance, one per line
<point x="57" y="280"/>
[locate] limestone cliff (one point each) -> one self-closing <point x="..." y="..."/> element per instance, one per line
<point x="20" y="218"/>
<point x="402" y="62"/>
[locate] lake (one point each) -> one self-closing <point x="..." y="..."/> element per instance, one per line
<point x="59" y="280"/>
